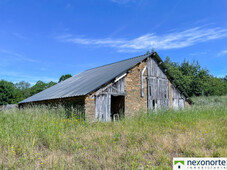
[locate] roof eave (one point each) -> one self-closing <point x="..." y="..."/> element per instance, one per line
<point x="52" y="99"/>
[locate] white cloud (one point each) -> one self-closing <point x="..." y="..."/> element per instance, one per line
<point x="222" y="53"/>
<point x="198" y="53"/>
<point x="20" y="36"/>
<point x="15" y="56"/>
<point x="171" y="40"/>
<point x="18" y="76"/>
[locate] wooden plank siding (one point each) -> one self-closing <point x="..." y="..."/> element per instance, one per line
<point x="103" y="99"/>
<point x="158" y="86"/>
<point x="178" y="98"/>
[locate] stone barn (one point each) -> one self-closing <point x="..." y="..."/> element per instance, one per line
<point x="116" y="90"/>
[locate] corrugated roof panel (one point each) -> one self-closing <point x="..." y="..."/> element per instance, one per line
<point x="87" y="81"/>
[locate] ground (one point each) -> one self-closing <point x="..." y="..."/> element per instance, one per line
<point x="38" y="138"/>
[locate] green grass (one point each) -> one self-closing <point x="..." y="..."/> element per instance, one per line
<point x="38" y="138"/>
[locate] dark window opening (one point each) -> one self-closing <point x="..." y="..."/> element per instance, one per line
<point x="153" y="103"/>
<point x="117" y="107"/>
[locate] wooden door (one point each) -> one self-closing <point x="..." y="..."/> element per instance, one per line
<point x="102" y="108"/>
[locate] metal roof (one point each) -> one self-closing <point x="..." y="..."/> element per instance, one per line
<point x="92" y="79"/>
<point x="87" y="81"/>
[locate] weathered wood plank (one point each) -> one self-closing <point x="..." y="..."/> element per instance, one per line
<point x="178" y="98"/>
<point x="158" y="86"/>
<point x="102" y="107"/>
<point x="103" y="99"/>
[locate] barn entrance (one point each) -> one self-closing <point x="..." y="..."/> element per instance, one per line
<point x="117" y="107"/>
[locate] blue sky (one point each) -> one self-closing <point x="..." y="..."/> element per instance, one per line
<point x="43" y="39"/>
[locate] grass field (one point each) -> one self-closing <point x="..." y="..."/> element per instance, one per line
<point x="39" y="138"/>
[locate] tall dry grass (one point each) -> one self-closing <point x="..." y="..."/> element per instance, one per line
<point x="41" y="138"/>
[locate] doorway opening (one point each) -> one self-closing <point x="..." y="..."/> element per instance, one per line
<point x="117" y="107"/>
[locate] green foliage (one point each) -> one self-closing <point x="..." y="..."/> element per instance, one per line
<point x="22" y="90"/>
<point x="196" y="80"/>
<point x="43" y="138"/>
<point x="64" y="77"/>
<point x="40" y="86"/>
<point x="225" y="78"/>
<point x="51" y="83"/>
<point x="14" y="93"/>
<point x="7" y="92"/>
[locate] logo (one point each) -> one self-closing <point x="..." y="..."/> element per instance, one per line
<point x="178" y="163"/>
<point x="199" y="163"/>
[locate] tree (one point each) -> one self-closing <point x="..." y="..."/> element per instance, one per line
<point x="50" y="84"/>
<point x="225" y="78"/>
<point x="196" y="80"/>
<point x="22" y="85"/>
<point x="7" y="92"/>
<point x="148" y="52"/>
<point x="64" y="77"/>
<point x="23" y="90"/>
<point x="40" y="86"/>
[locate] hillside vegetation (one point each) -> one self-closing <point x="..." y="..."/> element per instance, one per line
<point x="38" y="138"/>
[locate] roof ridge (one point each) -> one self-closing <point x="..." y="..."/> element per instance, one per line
<point x="119" y="61"/>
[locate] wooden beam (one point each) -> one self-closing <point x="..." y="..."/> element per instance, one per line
<point x="120" y="77"/>
<point x="114" y="94"/>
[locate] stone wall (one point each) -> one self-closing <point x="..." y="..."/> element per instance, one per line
<point x="90" y="108"/>
<point x="77" y="103"/>
<point x="134" y="102"/>
<point x="77" y="100"/>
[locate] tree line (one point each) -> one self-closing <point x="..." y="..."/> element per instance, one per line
<point x="11" y="93"/>
<point x="195" y="80"/>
